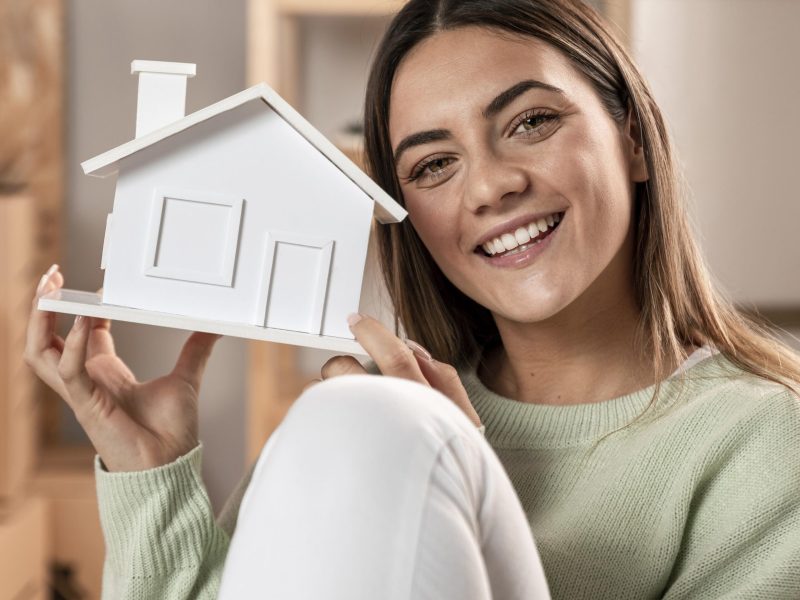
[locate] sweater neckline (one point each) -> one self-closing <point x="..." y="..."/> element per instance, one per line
<point x="516" y="425"/>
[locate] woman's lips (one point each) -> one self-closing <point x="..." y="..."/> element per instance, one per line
<point x="525" y="254"/>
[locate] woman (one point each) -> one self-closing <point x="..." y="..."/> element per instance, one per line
<point x="649" y="430"/>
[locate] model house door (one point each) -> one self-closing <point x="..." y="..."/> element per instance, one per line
<point x="296" y="270"/>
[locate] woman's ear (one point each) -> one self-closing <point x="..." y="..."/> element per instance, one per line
<point x="634" y="141"/>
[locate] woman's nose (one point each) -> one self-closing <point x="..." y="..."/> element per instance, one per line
<point x="491" y="180"/>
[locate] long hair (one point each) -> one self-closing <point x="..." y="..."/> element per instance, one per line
<point x="678" y="302"/>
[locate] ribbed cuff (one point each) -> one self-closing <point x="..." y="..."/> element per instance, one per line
<point x="155" y="521"/>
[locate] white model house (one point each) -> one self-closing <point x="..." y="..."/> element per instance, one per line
<point x="239" y="219"/>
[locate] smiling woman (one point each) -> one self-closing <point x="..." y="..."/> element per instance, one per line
<point x="493" y="121"/>
<point x="481" y="111"/>
<point x="641" y="436"/>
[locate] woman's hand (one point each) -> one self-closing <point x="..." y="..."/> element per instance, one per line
<point x="408" y="360"/>
<point x="132" y="425"/>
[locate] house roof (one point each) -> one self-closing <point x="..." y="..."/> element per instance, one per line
<point x="386" y="209"/>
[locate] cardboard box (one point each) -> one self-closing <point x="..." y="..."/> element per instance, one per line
<point x="24" y="550"/>
<point x="18" y="411"/>
<point x="65" y="478"/>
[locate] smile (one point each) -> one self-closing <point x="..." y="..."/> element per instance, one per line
<point x="519" y="240"/>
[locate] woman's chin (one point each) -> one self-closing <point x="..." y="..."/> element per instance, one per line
<point x="531" y="310"/>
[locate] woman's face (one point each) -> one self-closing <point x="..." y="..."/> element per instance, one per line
<point x="492" y="134"/>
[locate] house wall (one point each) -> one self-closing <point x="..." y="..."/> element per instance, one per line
<point x="251" y="153"/>
<point x="102" y="38"/>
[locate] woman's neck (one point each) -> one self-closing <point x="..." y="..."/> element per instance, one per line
<point x="568" y="359"/>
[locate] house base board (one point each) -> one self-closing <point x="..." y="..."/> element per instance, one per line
<point x="90" y="304"/>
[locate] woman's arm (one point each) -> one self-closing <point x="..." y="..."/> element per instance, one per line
<point x="742" y="538"/>
<point x="161" y="537"/>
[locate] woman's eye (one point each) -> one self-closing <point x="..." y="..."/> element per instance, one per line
<point x="533" y="122"/>
<point x="431" y="168"/>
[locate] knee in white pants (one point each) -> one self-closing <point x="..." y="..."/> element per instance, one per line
<point x="341" y="489"/>
<point x="377" y="487"/>
<point x="375" y="414"/>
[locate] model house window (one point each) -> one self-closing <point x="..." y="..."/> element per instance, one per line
<point x="193" y="236"/>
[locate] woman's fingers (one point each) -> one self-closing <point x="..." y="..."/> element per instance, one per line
<point x="46" y="278"/>
<point x="41" y="325"/>
<point x="193" y="358"/>
<point x="311" y="383"/>
<point x="43" y="347"/>
<point x="392" y="356"/>
<point x="444" y="377"/>
<point x="342" y="365"/>
<point x="100" y="340"/>
<point x="72" y="367"/>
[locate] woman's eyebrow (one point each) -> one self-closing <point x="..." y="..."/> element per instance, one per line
<point x="417" y="139"/>
<point x="495" y="106"/>
<point x="505" y="98"/>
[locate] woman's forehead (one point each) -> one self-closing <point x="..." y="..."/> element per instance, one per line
<point x="465" y="68"/>
<point x="450" y="55"/>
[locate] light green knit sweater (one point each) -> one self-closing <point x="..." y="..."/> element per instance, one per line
<point x="701" y="502"/>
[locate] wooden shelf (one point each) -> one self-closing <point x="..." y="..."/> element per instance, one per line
<point x="338" y="7"/>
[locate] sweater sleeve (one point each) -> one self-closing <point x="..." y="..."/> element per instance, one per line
<point x="742" y="537"/>
<point x="160" y="534"/>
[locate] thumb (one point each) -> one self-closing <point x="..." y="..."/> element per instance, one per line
<point x="194" y="356"/>
<point x="444" y="378"/>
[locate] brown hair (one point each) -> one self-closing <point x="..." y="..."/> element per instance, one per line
<point x="674" y="292"/>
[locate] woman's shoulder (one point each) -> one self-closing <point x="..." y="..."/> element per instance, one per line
<point x="719" y="375"/>
<point x="729" y="397"/>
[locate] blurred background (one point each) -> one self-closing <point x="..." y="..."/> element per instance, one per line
<point x="723" y="71"/>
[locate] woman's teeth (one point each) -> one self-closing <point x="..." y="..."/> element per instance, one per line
<point x="523" y="235"/>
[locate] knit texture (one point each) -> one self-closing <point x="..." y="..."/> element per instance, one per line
<point x="698" y="499"/>
<point x="160" y="535"/>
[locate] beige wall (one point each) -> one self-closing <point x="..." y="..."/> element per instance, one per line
<point x="725" y="73"/>
<point x="103" y="36"/>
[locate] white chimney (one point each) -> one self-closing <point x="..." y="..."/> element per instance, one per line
<point x="162" y="93"/>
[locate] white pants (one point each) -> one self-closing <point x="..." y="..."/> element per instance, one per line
<point x="379" y="488"/>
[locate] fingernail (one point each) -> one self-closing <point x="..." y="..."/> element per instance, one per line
<point x="354" y="318"/>
<point x="79" y="321"/>
<point x="46" y="277"/>
<point x="42" y="283"/>
<point x="418" y="350"/>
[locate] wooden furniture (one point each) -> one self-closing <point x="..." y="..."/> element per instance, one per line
<point x="31" y="134"/>
<point x="24" y="545"/>
<point x="48" y="504"/>
<point x="23" y="517"/>
<point x="64" y="478"/>
<point x="33" y="516"/>
<point x="18" y="411"/>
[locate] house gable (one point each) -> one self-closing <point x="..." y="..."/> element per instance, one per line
<point x="386" y="209"/>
